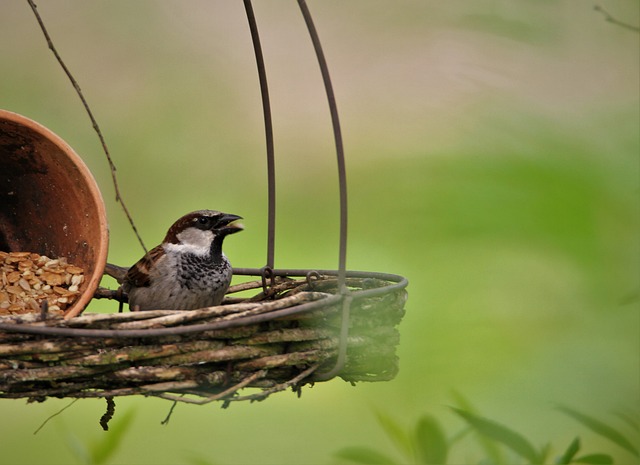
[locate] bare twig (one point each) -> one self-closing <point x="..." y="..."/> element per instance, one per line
<point x="221" y="395"/>
<point x="279" y="387"/>
<point x="104" y="293"/>
<point x="55" y="415"/>
<point x="615" y="21"/>
<point x="165" y="422"/>
<point x="112" y="166"/>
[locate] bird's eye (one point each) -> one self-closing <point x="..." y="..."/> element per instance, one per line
<point x="203" y="222"/>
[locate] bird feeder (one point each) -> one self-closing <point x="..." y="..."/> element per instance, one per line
<point x="298" y="326"/>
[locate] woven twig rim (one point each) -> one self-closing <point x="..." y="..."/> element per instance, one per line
<point x="271" y="341"/>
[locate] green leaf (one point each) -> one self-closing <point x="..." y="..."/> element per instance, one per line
<point x="396" y="433"/>
<point x="629" y="420"/>
<point x="463" y="402"/>
<point x="602" y="459"/>
<point x="431" y="443"/>
<point x="602" y="429"/>
<point x="103" y="449"/>
<point x="570" y="453"/>
<point x="502" y="434"/>
<point x="365" y="456"/>
<point x="494" y="454"/>
<point x="544" y="452"/>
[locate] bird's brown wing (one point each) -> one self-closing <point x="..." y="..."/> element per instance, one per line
<point x="138" y="274"/>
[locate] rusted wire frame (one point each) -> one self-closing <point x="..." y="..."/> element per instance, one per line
<point x="337" y="133"/>
<point x="396" y="283"/>
<point x="268" y="270"/>
<point x="342" y="181"/>
<point x="268" y="128"/>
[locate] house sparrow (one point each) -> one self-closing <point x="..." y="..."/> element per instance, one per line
<point x="187" y="271"/>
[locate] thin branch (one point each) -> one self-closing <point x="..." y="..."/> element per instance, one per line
<point x="165" y="422"/>
<point x="277" y="388"/>
<point x="615" y="21"/>
<point x="55" y="415"/>
<point x="221" y="395"/>
<point x="104" y="293"/>
<point x="112" y="166"/>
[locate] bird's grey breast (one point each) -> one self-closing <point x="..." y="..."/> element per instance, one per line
<point x="200" y="273"/>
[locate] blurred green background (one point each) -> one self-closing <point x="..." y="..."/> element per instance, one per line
<point x="492" y="159"/>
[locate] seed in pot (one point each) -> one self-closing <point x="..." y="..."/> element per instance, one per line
<point x="61" y="291"/>
<point x="25" y="265"/>
<point x="13" y="277"/>
<point x="74" y="270"/>
<point x="28" y="279"/>
<point x="52" y="279"/>
<point x="18" y="255"/>
<point x="51" y="263"/>
<point x="15" y="290"/>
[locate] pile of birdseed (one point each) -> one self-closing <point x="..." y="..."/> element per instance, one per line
<point x="28" y="279"/>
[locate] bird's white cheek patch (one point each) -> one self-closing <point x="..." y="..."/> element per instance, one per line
<point x="193" y="240"/>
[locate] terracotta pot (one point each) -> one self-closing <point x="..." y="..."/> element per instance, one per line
<point x="50" y="203"/>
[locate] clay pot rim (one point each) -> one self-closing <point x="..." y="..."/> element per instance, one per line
<point x="101" y="213"/>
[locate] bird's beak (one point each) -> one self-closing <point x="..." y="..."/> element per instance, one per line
<point x="226" y="225"/>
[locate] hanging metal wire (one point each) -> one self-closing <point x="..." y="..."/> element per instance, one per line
<point x="267" y="271"/>
<point x="268" y="129"/>
<point x="337" y="132"/>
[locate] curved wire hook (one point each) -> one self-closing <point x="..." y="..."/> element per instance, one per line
<point x="337" y="133"/>
<point x="268" y="127"/>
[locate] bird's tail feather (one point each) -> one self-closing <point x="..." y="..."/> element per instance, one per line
<point x="116" y="272"/>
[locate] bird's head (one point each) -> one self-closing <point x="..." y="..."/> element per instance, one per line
<point x="197" y="231"/>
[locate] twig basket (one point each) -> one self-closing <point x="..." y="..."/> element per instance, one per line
<point x="283" y="338"/>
